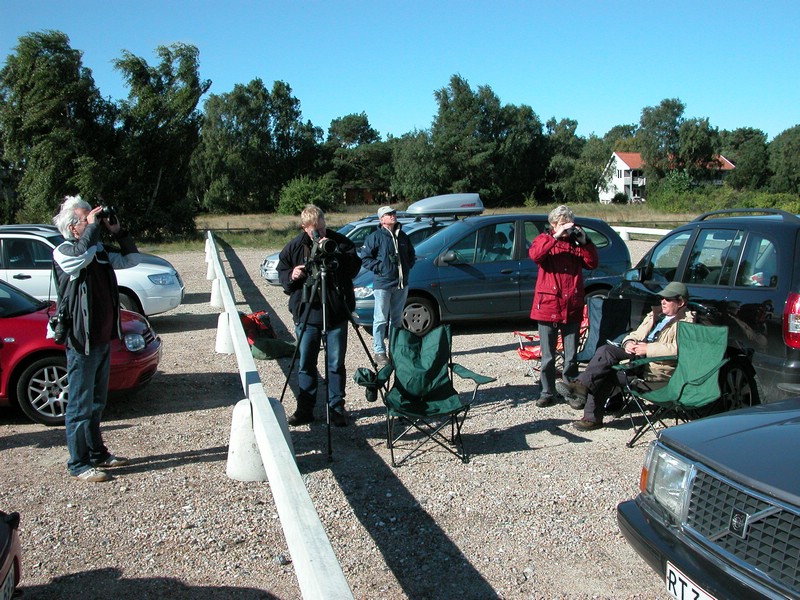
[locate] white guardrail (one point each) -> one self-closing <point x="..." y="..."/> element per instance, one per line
<point x="259" y="429"/>
<point x="625" y="232"/>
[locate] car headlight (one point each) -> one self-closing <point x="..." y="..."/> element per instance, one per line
<point x="665" y="478"/>
<point x="272" y="264"/>
<point x="162" y="278"/>
<point x="134" y="342"/>
<point x="363" y="292"/>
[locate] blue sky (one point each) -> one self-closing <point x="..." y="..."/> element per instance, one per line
<point x="600" y="63"/>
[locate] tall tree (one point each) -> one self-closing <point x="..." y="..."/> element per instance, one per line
<point x="784" y="161"/>
<point x="415" y="173"/>
<point x="160" y="130"/>
<point x="57" y="130"/>
<point x="360" y="160"/>
<point x="698" y="149"/>
<point x="658" y="137"/>
<point x="252" y="144"/>
<point x="746" y="148"/>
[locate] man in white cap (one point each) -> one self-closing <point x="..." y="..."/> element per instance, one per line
<point x="656" y="336"/>
<point x="388" y="253"/>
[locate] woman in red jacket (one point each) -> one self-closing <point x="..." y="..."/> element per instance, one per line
<point x="561" y="253"/>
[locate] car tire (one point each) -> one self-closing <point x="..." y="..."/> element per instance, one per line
<point x="420" y="315"/>
<point x="130" y="302"/>
<point x="739" y="384"/>
<point x="42" y="390"/>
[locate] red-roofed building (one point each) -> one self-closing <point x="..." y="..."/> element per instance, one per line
<point x="625" y="174"/>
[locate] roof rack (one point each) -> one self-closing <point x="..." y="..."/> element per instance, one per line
<point x="748" y="212"/>
<point x="451" y="205"/>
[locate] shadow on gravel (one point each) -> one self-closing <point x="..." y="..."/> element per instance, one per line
<point x="181" y="321"/>
<point x="196" y="298"/>
<point x="108" y="583"/>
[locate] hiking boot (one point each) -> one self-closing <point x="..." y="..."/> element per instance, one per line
<point x="299" y="418"/>
<point x="575" y="402"/>
<point x="339" y="416"/>
<point x="584" y="425"/>
<point x="544" y="401"/>
<point x="112" y="461"/>
<point x="381" y="359"/>
<point x="573" y="389"/>
<point x="92" y="475"/>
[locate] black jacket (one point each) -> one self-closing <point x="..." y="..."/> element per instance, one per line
<point x="390" y="256"/>
<point x="72" y="261"/>
<point x="339" y="267"/>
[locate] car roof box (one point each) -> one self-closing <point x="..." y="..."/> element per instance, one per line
<point x="447" y="204"/>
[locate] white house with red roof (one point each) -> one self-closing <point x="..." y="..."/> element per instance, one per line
<point x="624" y="174"/>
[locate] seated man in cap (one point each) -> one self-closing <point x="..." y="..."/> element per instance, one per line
<point x="388" y="253"/>
<point x="656" y="336"/>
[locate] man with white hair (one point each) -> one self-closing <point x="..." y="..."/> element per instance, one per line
<point x="88" y="300"/>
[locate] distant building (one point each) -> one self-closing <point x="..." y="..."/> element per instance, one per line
<point x="625" y="175"/>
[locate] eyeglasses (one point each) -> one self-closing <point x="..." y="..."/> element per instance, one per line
<point x="673" y="299"/>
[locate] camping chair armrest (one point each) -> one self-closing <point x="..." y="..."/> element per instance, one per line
<point x="369" y="379"/>
<point x="465" y="373"/>
<point x="633" y="364"/>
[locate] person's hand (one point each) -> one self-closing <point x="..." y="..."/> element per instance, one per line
<point x="580" y="236"/>
<point x="298" y="272"/>
<point x="92" y="216"/>
<point x="562" y="228"/>
<point x="638" y="348"/>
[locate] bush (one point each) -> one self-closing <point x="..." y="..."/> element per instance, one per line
<point x="299" y="192"/>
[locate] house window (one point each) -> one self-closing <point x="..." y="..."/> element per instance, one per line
<point x="619" y="173"/>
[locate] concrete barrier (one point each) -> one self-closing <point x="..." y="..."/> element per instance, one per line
<point x="318" y="571"/>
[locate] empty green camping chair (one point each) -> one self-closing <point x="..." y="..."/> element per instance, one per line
<point x="422" y="400"/>
<point x="693" y="385"/>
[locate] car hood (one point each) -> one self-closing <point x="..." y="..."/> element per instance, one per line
<point x="756" y="446"/>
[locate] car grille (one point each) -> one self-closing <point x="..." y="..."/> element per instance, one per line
<point x="149" y="336"/>
<point x="771" y="541"/>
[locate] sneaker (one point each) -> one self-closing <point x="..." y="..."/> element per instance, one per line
<point x="381" y="359"/>
<point x="584" y="425"/>
<point x="573" y="389"/>
<point x="339" y="417"/>
<point x="299" y="418"/>
<point x="544" y="401"/>
<point x="112" y="461"/>
<point x="93" y="475"/>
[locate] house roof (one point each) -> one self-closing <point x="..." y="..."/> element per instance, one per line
<point x="634" y="161"/>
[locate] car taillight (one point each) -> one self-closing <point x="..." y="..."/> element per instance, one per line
<point x="791" y="321"/>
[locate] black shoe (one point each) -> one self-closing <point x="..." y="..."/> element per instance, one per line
<point x="544" y="401"/>
<point x="299" y="418"/>
<point x="339" y="417"/>
<point x="584" y="425"/>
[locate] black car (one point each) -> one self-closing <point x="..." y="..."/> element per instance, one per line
<point x="718" y="515"/>
<point x="741" y="271"/>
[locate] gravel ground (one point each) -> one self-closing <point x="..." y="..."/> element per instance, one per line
<point x="532" y="515"/>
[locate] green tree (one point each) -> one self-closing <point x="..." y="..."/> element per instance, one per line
<point x="415" y="174"/>
<point x="746" y="148"/>
<point x="658" y="137"/>
<point x="698" y="149"/>
<point x="784" y="162"/>
<point x="252" y="144"/>
<point x="360" y="160"/>
<point x="304" y="190"/>
<point x="57" y="130"/>
<point x="159" y="131"/>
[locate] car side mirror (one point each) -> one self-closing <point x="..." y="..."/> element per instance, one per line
<point x="633" y="275"/>
<point x="448" y="257"/>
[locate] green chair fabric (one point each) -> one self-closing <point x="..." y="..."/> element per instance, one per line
<point x="422" y="400"/>
<point x="694" y="384"/>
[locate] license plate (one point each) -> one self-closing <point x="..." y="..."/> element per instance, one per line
<point x="8" y="585"/>
<point x="680" y="587"/>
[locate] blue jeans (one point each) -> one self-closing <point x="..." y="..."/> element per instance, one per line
<point x="548" y="338"/>
<point x="389" y="304"/>
<point x="88" y="391"/>
<point x="308" y="375"/>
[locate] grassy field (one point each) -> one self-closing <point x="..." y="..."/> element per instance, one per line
<point x="268" y="230"/>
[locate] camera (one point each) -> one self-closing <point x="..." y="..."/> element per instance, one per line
<point x="108" y="212"/>
<point x="60" y="324"/>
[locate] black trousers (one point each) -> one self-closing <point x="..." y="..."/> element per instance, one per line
<point x="602" y="380"/>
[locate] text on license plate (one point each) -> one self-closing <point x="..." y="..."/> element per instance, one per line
<point x="680" y="587"/>
<point x="8" y="585"/>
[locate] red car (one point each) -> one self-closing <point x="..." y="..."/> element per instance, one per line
<point x="33" y="369"/>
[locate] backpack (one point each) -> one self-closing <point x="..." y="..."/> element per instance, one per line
<point x="257" y="325"/>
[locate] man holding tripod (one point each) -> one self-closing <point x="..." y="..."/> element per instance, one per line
<point x="316" y="270"/>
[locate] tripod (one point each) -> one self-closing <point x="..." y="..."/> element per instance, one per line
<point x="316" y="290"/>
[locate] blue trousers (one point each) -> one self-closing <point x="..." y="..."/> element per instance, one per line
<point x="389" y="305"/>
<point x="308" y="374"/>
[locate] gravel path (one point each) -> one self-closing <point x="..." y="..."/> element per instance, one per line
<point x="531" y="516"/>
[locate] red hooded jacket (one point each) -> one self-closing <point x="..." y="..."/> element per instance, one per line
<point x="558" y="296"/>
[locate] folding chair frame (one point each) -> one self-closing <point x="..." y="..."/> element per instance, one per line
<point x="531" y="354"/>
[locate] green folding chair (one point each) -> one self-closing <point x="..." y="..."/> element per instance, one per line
<point x="422" y="400"/>
<point x="693" y="385"/>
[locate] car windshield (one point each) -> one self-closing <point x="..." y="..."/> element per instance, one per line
<point x="14" y="302"/>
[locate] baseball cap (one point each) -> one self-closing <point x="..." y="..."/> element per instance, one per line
<point x="675" y="288"/>
<point x="385" y="210"/>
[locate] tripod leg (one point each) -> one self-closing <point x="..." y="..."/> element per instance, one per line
<point x="296" y="352"/>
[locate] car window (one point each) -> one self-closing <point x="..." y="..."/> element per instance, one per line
<point x="416" y="236"/>
<point x="663" y="262"/>
<point x="532" y="229"/>
<point x="27" y="254"/>
<point x="600" y="240"/>
<point x="759" y="266"/>
<point x="712" y="256"/>
<point x="485" y="245"/>
<point x="360" y="234"/>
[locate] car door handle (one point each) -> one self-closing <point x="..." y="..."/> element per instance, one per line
<point x="506" y="271"/>
<point x="21" y="276"/>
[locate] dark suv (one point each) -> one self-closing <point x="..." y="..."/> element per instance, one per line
<point x="741" y="270"/>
